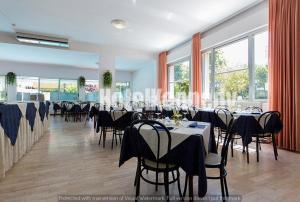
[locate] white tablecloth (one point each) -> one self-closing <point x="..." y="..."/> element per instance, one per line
<point x="10" y="154"/>
<point x="178" y="135"/>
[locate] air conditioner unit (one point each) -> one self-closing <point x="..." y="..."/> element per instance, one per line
<point x="42" y="40"/>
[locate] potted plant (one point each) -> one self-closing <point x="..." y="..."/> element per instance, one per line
<point x="81" y="85"/>
<point x="107" y="79"/>
<point x="11" y="78"/>
<point x="11" y="87"/>
<point x="81" y="81"/>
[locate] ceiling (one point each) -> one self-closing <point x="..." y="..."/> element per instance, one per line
<point x="153" y="25"/>
<point x="33" y="54"/>
<point x="131" y="64"/>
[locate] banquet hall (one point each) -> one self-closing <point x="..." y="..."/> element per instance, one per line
<point x="148" y="100"/>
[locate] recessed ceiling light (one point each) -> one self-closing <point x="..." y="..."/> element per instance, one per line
<point x="119" y="23"/>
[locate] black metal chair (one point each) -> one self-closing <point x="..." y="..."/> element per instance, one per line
<point x="119" y="125"/>
<point x="219" y="161"/>
<point x="271" y="125"/>
<point x="105" y="123"/>
<point x="138" y="116"/>
<point x="223" y="118"/>
<point x="254" y="109"/>
<point x="155" y="165"/>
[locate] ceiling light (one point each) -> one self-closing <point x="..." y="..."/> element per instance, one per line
<point x="119" y="23"/>
<point x="42" y="40"/>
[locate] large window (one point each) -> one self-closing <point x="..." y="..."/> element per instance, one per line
<point x="68" y="90"/>
<point x="179" y="79"/>
<point x="261" y="65"/>
<point x="122" y="88"/>
<point x="2" y="88"/>
<point x="92" y="90"/>
<point x="27" y="88"/>
<point x="231" y="71"/>
<point x="50" y="89"/>
<point x="237" y="71"/>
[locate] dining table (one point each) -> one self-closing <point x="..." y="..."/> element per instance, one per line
<point x="190" y="142"/>
<point x="22" y="125"/>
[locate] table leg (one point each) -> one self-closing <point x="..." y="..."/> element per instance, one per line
<point x="191" y="187"/>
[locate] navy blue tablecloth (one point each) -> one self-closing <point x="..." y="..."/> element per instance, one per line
<point x="247" y="126"/>
<point x="209" y="117"/>
<point x="10" y="116"/>
<point x="47" y="108"/>
<point x="42" y="111"/>
<point x="189" y="155"/>
<point x="31" y="114"/>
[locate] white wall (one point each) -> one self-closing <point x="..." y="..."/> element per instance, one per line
<point x="47" y="71"/>
<point x="145" y="77"/>
<point x="242" y="24"/>
<point x="123" y="76"/>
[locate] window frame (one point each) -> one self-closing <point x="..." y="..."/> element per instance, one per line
<point x="251" y="63"/>
<point x="181" y="60"/>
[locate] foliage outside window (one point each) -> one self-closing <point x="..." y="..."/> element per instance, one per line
<point x="2" y="88"/>
<point x="261" y="65"/>
<point x="230" y="75"/>
<point x="91" y="90"/>
<point x="122" y="88"/>
<point x="68" y="90"/>
<point x="50" y="89"/>
<point x="231" y="72"/>
<point x="179" y="79"/>
<point x="27" y="88"/>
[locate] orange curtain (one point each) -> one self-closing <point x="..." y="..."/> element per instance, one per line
<point x="196" y="58"/>
<point x="284" y="69"/>
<point x="162" y="75"/>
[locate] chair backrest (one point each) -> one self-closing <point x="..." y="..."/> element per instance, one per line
<point x="104" y="119"/>
<point x="254" y="109"/>
<point x="270" y="122"/>
<point x="224" y="117"/>
<point x="157" y="130"/>
<point x="138" y="116"/>
<point x="222" y="107"/>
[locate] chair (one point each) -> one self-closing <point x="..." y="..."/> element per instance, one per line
<point x="271" y="124"/>
<point x="155" y="165"/>
<point x="223" y="118"/>
<point x="215" y="161"/>
<point x="104" y="121"/>
<point x="254" y="109"/>
<point x="119" y="125"/>
<point x="138" y="116"/>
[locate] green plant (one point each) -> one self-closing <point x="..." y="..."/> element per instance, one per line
<point x="81" y="81"/>
<point x="107" y="79"/>
<point x="11" y="78"/>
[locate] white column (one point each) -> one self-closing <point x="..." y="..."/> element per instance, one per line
<point x="11" y="93"/>
<point x="81" y="94"/>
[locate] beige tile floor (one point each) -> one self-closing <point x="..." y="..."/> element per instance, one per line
<point x="68" y="160"/>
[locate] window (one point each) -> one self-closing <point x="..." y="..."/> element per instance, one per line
<point x="261" y="65"/>
<point x="207" y="74"/>
<point x="27" y="88"/>
<point x="92" y="90"/>
<point x="122" y="88"/>
<point x="237" y="73"/>
<point x="68" y="90"/>
<point x="50" y="89"/>
<point x="231" y="71"/>
<point x="179" y="79"/>
<point x="2" y="88"/>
